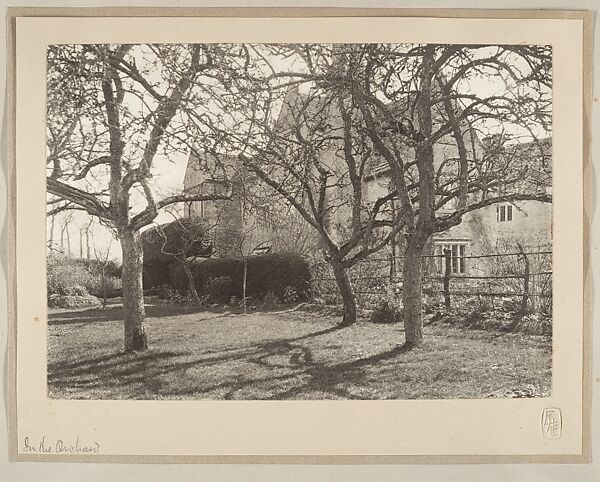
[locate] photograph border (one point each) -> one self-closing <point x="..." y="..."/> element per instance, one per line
<point x="586" y="17"/>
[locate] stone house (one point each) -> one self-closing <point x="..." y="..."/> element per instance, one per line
<point x="494" y="229"/>
<point x="252" y="222"/>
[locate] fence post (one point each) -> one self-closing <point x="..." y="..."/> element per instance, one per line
<point x="525" y="298"/>
<point x="534" y="293"/>
<point x="447" y="270"/>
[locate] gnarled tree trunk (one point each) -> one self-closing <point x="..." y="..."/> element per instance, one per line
<point x="413" y="279"/>
<point x="191" y="282"/>
<point x="411" y="293"/>
<point x="345" y="286"/>
<point x="133" y="293"/>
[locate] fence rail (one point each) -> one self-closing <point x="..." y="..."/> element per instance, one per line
<point x="441" y="277"/>
<point x="526" y="279"/>
<point x="497" y="255"/>
<point x="466" y="293"/>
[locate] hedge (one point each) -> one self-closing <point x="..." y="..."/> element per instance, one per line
<point x="156" y="273"/>
<point x="185" y="234"/>
<point x="269" y="272"/>
<point x="66" y="275"/>
<point x="73" y="301"/>
<point x="189" y="235"/>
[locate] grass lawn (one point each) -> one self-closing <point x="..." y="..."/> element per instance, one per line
<point x="198" y="354"/>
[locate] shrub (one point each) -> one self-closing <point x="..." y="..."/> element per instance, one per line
<point x="76" y="290"/>
<point x="510" y="305"/>
<point x="270" y="300"/>
<point x="64" y="276"/>
<point x="290" y="295"/>
<point x="113" y="287"/>
<point x="203" y="269"/>
<point x="276" y="272"/>
<point x="432" y="303"/>
<point x="218" y="289"/>
<point x="386" y="312"/>
<point x="187" y="234"/>
<point x="498" y="320"/>
<point x="323" y="286"/>
<point x="536" y="324"/>
<point x="72" y="301"/>
<point x="69" y="276"/>
<point x="156" y="273"/>
<point x="270" y="272"/>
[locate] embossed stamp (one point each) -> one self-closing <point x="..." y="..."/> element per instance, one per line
<point x="551" y="423"/>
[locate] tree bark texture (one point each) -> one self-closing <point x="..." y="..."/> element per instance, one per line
<point x="345" y="286"/>
<point x="411" y="293"/>
<point x="191" y="282"/>
<point x="133" y="293"/>
<point x="413" y="281"/>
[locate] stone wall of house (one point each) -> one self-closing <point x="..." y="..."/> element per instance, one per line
<point x="239" y="226"/>
<point x="531" y="227"/>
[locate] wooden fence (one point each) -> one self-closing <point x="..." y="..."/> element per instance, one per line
<point x="523" y="277"/>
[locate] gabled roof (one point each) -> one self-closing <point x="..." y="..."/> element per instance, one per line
<point x="196" y="174"/>
<point x="311" y="109"/>
<point x="534" y="159"/>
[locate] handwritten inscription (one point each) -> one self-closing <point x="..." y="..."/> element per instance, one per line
<point x="59" y="446"/>
<point x="551" y="423"/>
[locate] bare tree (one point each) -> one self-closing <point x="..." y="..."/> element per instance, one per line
<point x="418" y="96"/>
<point x="87" y="230"/>
<point x="314" y="156"/>
<point x="243" y="243"/>
<point x="55" y="207"/>
<point x="50" y="243"/>
<point x="103" y="259"/>
<point x="112" y="111"/>
<point x="65" y="236"/>
<point x="415" y="105"/>
<point x="180" y="239"/>
<point x="84" y="239"/>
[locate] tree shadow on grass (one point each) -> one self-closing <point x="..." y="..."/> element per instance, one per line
<point x="119" y="363"/>
<point x="115" y="313"/>
<point x="281" y="363"/>
<point x="120" y="360"/>
<point x="307" y="376"/>
<point x="327" y="377"/>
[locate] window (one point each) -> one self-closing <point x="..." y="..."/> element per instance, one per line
<point x="457" y="257"/>
<point x="504" y="213"/>
<point x="261" y="250"/>
<point x="194" y="209"/>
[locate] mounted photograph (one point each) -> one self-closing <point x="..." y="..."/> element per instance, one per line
<point x="299" y="221"/>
